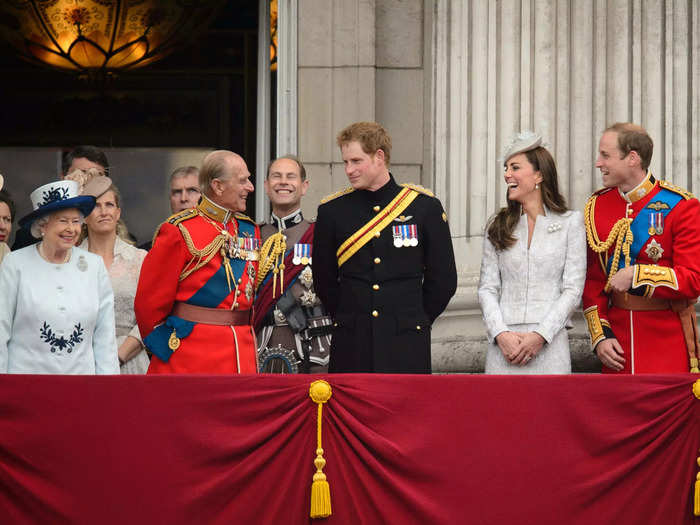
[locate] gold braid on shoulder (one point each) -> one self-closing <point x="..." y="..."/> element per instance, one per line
<point x="620" y="235"/>
<point x="272" y="258"/>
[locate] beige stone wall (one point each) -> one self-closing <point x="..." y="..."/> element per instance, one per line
<point x="360" y="60"/>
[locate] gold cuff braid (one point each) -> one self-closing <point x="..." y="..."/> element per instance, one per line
<point x="595" y="326"/>
<point x="654" y="275"/>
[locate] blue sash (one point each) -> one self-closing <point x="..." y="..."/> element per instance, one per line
<point x="215" y="290"/>
<point x="639" y="229"/>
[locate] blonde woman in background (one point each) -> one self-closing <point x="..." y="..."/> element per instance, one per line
<point x="123" y="262"/>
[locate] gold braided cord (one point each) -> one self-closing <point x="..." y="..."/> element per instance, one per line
<point x="272" y="258"/>
<point x="620" y="236"/>
<point x="201" y="257"/>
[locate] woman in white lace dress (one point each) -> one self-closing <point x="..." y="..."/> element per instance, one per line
<point x="123" y="263"/>
<point x="533" y="267"/>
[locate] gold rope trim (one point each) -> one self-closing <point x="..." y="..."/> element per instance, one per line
<point x="272" y="258"/>
<point x="620" y="235"/>
<point x="320" y="392"/>
<point x="201" y="257"/>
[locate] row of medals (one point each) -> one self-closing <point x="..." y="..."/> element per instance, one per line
<point x="405" y="235"/>
<point x="248" y="253"/>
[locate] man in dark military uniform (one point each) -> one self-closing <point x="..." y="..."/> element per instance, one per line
<point x="293" y="331"/>
<point x="383" y="260"/>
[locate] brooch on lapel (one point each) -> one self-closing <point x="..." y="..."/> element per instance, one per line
<point x="554" y="227"/>
<point x="654" y="250"/>
<point x="82" y="263"/>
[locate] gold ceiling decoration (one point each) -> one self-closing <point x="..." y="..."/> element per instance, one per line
<point x="273" y="35"/>
<point x="101" y="37"/>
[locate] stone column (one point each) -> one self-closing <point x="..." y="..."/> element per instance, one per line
<point x="565" y="68"/>
<point x="336" y="75"/>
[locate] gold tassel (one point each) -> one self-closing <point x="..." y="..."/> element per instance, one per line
<point x="320" y="392"/>
<point x="281" y="267"/>
<point x="271" y="257"/>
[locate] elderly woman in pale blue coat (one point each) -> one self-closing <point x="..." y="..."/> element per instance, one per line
<point x="56" y="301"/>
<point x="533" y="267"/>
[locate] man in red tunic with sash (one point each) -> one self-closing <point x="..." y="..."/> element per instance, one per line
<point x="195" y="294"/>
<point x="643" y="262"/>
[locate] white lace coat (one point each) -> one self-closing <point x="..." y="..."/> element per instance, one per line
<point x="124" y="276"/>
<point x="535" y="289"/>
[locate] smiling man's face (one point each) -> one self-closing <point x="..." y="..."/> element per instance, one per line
<point x="284" y="185"/>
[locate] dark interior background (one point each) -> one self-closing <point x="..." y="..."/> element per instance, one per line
<point x="201" y="97"/>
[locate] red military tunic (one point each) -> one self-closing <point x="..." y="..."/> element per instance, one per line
<point x="196" y="239"/>
<point x="666" y="258"/>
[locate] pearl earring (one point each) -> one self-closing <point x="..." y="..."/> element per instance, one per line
<point x="537" y="185"/>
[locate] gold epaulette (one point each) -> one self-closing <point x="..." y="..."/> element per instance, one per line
<point x="676" y="189"/>
<point x="337" y="194"/>
<point x="175" y="219"/>
<point x="600" y="191"/>
<point x="244" y="217"/>
<point x="419" y="189"/>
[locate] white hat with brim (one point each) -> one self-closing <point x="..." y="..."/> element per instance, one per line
<point x="522" y="142"/>
<point x="55" y="196"/>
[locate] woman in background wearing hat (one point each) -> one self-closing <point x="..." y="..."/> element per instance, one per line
<point x="123" y="263"/>
<point x="533" y="267"/>
<point x="7" y="213"/>
<point x="56" y="302"/>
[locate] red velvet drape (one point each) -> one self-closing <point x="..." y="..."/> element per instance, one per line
<point x="399" y="449"/>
